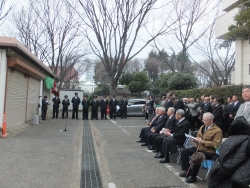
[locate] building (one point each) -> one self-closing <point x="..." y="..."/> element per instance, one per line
<point x="90" y="73"/>
<point x="241" y="72"/>
<point x="22" y="83"/>
<point x="88" y="87"/>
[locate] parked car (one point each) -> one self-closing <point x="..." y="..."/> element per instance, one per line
<point x="134" y="107"/>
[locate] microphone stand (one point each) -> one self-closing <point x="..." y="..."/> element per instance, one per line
<point x="65" y="130"/>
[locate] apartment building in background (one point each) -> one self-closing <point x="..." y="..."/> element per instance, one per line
<point x="241" y="72"/>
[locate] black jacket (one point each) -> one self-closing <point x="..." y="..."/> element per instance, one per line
<point x="94" y="104"/>
<point x="160" y="123"/>
<point x="168" y="105"/>
<point x="179" y="105"/>
<point x="218" y="115"/>
<point x="123" y="104"/>
<point x="56" y="102"/>
<point x="44" y="104"/>
<point x="85" y="104"/>
<point x="75" y="101"/>
<point x="180" y="130"/>
<point x="170" y="124"/>
<point x="113" y="104"/>
<point x="206" y="108"/>
<point x="233" y="109"/>
<point x="65" y="104"/>
<point x="231" y="168"/>
<point x="104" y="104"/>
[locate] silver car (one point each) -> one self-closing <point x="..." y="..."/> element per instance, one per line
<point x="134" y="107"/>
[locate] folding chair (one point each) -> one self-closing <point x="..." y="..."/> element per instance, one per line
<point x="181" y="147"/>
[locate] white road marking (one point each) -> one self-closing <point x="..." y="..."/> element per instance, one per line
<point x="111" y="185"/>
<point x="120" y="127"/>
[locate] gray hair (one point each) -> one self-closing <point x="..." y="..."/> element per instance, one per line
<point x="171" y="109"/>
<point x="181" y="112"/>
<point x="209" y="115"/>
<point x="162" y="109"/>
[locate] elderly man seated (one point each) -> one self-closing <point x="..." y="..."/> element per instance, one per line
<point x="169" y="144"/>
<point x="208" y="139"/>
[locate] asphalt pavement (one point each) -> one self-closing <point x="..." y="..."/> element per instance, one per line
<point x="41" y="157"/>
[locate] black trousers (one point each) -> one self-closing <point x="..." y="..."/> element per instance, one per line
<point x="44" y="112"/>
<point x="94" y="114"/>
<point x="151" y="139"/>
<point x="55" y="111"/>
<point x="186" y="153"/>
<point x="159" y="142"/>
<point x="66" y="112"/>
<point x="85" y="114"/>
<point x="112" y="113"/>
<point x="75" y="113"/>
<point x="169" y="144"/>
<point x="123" y="113"/>
<point x="143" y="133"/>
<point x="103" y="113"/>
<point x="194" y="121"/>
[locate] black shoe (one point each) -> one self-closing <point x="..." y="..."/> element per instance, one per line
<point x="87" y="119"/>
<point x="102" y="119"/>
<point x="105" y="118"/>
<point x="96" y="118"/>
<point x="155" y="151"/>
<point x="63" y="118"/>
<point x="182" y="174"/>
<point x="144" y="144"/>
<point x="77" y="118"/>
<point x="83" y="119"/>
<point x="164" y="160"/>
<point x="159" y="155"/>
<point x="138" y="140"/>
<point x="151" y="148"/>
<point x="91" y="118"/>
<point x="190" y="179"/>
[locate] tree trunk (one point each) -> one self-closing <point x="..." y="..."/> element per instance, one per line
<point x="113" y="85"/>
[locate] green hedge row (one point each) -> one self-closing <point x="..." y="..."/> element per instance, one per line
<point x="218" y="92"/>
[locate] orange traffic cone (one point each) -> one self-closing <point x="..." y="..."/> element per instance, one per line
<point x="4" y="134"/>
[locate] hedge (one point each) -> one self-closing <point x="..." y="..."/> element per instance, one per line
<point x="218" y="92"/>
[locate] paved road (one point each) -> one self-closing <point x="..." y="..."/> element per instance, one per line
<point x="125" y="164"/>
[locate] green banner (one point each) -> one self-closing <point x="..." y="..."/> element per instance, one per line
<point x="49" y="82"/>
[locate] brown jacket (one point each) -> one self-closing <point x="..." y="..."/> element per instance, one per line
<point x="212" y="138"/>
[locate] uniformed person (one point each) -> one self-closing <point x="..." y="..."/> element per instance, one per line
<point x="123" y="107"/>
<point x="112" y="105"/>
<point x="75" y="102"/>
<point x="65" y="104"/>
<point x="45" y="104"/>
<point x="103" y="105"/>
<point x="56" y="106"/>
<point x="85" y="108"/>
<point x="94" y="105"/>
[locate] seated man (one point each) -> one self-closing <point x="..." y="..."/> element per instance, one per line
<point x="157" y="127"/>
<point x="170" y="125"/>
<point x="208" y="138"/>
<point x="150" y="125"/>
<point x="169" y="144"/>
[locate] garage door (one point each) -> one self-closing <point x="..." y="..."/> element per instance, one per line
<point x="16" y="98"/>
<point x="33" y="98"/>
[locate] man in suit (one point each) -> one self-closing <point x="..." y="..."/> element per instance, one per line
<point x="94" y="106"/>
<point x="85" y="108"/>
<point x="168" y="103"/>
<point x="56" y="102"/>
<point x="75" y="101"/>
<point x="45" y="104"/>
<point x="226" y="120"/>
<point x="123" y="107"/>
<point x="178" y="104"/>
<point x="65" y="104"/>
<point x="209" y="137"/>
<point x="103" y="105"/>
<point x="177" y="138"/>
<point x="150" y="125"/>
<point x="206" y="107"/>
<point x="234" y="107"/>
<point x="170" y="125"/>
<point x="218" y="113"/>
<point x="157" y="127"/>
<point x="244" y="109"/>
<point x="112" y="105"/>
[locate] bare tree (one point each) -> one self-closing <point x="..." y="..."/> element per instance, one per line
<point x="101" y="75"/>
<point x="190" y="26"/>
<point x="134" y="65"/>
<point x="116" y="27"/>
<point x="50" y="29"/>
<point x="219" y="60"/>
<point x="5" y="10"/>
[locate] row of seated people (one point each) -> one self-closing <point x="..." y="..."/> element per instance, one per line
<point x="167" y="130"/>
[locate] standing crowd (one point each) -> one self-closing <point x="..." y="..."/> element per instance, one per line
<point x="104" y="105"/>
<point x="168" y="130"/>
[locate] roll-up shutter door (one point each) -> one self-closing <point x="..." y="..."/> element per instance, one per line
<point x="16" y="99"/>
<point x="33" y="98"/>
